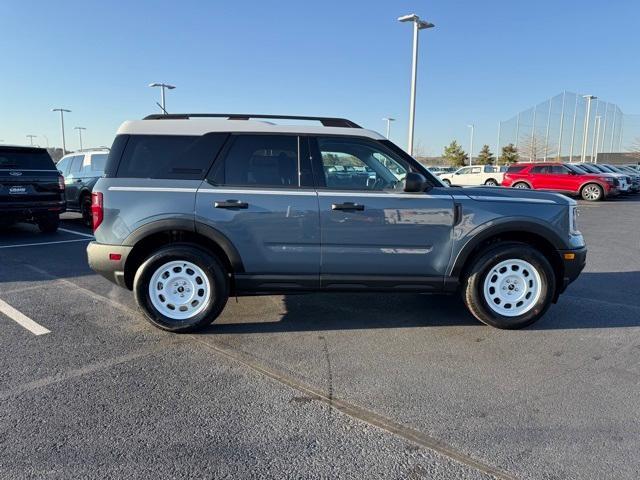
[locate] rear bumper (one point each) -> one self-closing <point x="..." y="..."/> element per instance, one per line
<point x="103" y="260"/>
<point x="26" y="211"/>
<point x="572" y="266"/>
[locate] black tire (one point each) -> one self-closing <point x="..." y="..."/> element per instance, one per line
<point x="49" y="223"/>
<point x="592" y="192"/>
<point x="474" y="281"/>
<point x="447" y="182"/>
<point x="208" y="263"/>
<point x="491" y="182"/>
<point x="85" y="210"/>
<point x="521" y="185"/>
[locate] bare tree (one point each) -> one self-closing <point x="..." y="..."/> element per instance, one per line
<point x="535" y="148"/>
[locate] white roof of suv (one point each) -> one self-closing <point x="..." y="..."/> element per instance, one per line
<point x="199" y="124"/>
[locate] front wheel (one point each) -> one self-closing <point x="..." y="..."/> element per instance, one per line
<point x="446" y="182"/>
<point x="509" y="286"/>
<point x="592" y="192"/>
<point x="181" y="288"/>
<point x="491" y="183"/>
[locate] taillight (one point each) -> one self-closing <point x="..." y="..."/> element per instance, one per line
<point x="97" y="209"/>
<point x="61" y="182"/>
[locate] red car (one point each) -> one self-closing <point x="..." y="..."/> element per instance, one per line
<point x="562" y="178"/>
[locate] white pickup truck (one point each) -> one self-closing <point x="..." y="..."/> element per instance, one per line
<point x="475" y="175"/>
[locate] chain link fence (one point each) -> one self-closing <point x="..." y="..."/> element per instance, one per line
<point x="572" y="127"/>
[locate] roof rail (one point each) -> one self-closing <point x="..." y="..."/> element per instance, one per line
<point x="325" y="121"/>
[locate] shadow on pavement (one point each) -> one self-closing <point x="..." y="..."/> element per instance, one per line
<point x="579" y="308"/>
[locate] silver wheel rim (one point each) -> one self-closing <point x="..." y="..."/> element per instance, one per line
<point x="591" y="192"/>
<point x="491" y="183"/>
<point x="179" y="290"/>
<point x="521" y="185"/>
<point x="512" y="287"/>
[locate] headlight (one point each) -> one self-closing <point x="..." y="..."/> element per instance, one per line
<point x="573" y="220"/>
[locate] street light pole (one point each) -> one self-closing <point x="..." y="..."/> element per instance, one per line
<point x="62" y="112"/>
<point x="162" y="86"/>
<point x="31" y="137"/>
<point x="472" y="127"/>
<point x="585" y="134"/>
<point x="417" y="26"/>
<point x="388" y="120"/>
<point x="596" y="137"/>
<point x="573" y="130"/>
<point x="80" y="129"/>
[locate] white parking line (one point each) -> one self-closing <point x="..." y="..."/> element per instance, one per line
<point x="22" y="319"/>
<point x="76" y="233"/>
<point x="44" y="243"/>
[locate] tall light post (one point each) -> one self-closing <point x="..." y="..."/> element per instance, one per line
<point x="585" y="133"/>
<point x="472" y="127"/>
<point x="31" y="137"/>
<point x="80" y="129"/>
<point x="596" y="137"/>
<point x="417" y="26"/>
<point x="62" y="112"/>
<point x="388" y="120"/>
<point x="162" y="86"/>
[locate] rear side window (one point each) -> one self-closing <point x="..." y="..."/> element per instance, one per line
<point x="177" y="157"/>
<point x="25" y="159"/>
<point x="260" y="161"/>
<point x="516" y="168"/>
<point x="76" y="165"/>
<point x="541" y="169"/>
<point x="63" y="165"/>
<point x="95" y="164"/>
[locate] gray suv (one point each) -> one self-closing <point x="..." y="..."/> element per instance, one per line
<point x="193" y="208"/>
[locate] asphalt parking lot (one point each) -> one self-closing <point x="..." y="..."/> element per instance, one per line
<point x="318" y="386"/>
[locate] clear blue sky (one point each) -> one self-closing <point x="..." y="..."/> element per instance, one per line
<point x="484" y="61"/>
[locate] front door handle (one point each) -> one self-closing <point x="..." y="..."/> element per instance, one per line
<point x="231" y="204"/>
<point x="347" y="206"/>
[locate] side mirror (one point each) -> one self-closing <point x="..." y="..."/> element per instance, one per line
<point x="414" y="182"/>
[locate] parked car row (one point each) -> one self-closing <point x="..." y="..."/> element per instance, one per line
<point x="589" y="181"/>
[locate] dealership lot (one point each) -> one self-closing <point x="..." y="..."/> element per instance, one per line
<point x="396" y="386"/>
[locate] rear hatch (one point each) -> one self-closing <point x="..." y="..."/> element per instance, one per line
<point x="28" y="177"/>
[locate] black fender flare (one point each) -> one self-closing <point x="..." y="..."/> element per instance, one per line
<point x="505" y="225"/>
<point x="189" y="225"/>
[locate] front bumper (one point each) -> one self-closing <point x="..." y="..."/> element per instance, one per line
<point x="103" y="259"/>
<point x="574" y="262"/>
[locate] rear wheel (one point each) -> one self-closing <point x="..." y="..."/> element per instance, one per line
<point x="181" y="288"/>
<point x="49" y="223"/>
<point x="509" y="286"/>
<point x="521" y="185"/>
<point x="491" y="183"/>
<point x="85" y="210"/>
<point x="592" y="192"/>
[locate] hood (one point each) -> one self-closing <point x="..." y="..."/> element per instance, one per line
<point x="515" y="195"/>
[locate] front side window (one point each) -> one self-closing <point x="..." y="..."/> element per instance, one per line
<point x="464" y="171"/>
<point x="260" y="161"/>
<point x="76" y="165"/>
<point x="354" y="164"/>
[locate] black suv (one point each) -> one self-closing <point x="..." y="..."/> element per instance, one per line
<point x="31" y="188"/>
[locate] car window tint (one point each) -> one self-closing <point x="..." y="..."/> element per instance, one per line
<point x="169" y="156"/>
<point x="63" y="165"/>
<point x="76" y="165"/>
<point x="354" y="164"/>
<point x="24" y="158"/>
<point x="541" y="169"/>
<point x="559" y="170"/>
<point x="515" y="168"/>
<point x="260" y="160"/>
<point x="98" y="161"/>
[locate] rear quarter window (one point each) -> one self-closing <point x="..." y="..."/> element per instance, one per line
<point x="179" y="157"/>
<point x="516" y="168"/>
<point x="25" y="159"/>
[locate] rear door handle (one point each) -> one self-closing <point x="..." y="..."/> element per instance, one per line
<point x="347" y="206"/>
<point x="231" y="204"/>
